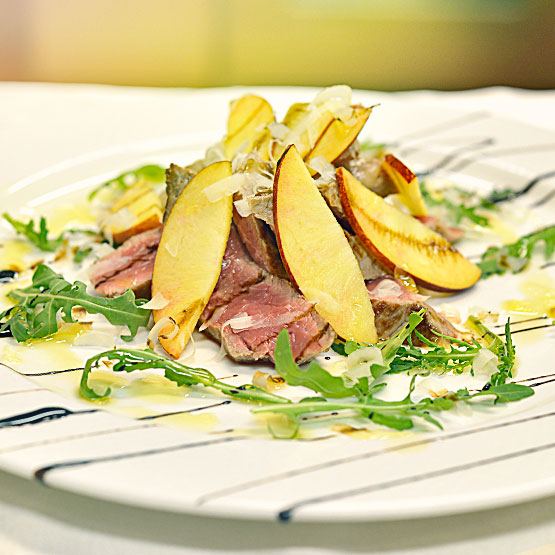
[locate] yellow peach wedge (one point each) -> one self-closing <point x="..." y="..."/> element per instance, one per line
<point x="338" y="136"/>
<point x="249" y="114"/>
<point x="401" y="241"/>
<point x="189" y="257"/>
<point x="316" y="253"/>
<point x="406" y="184"/>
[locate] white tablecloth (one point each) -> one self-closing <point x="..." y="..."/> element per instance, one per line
<point x="39" y="520"/>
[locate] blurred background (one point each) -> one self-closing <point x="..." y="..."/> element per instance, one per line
<point x="372" y="44"/>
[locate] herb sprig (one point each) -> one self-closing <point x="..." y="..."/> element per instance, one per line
<point x="398" y="415"/>
<point x="129" y="360"/>
<point x="36" y="313"/>
<point x="503" y="350"/>
<point x="516" y="256"/>
<point x="39" y="236"/>
<point x="335" y="395"/>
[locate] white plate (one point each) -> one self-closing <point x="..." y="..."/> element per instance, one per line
<point x="490" y="458"/>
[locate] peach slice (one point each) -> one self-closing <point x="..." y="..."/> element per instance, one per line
<point x="248" y="115"/>
<point x="307" y="126"/>
<point x="316" y="253"/>
<point x="406" y="184"/>
<point x="138" y="209"/>
<point x="399" y="240"/>
<point x="338" y="136"/>
<point x="189" y="257"/>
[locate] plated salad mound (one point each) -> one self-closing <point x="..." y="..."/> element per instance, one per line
<point x="286" y="240"/>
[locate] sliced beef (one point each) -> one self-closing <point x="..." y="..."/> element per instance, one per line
<point x="238" y="272"/>
<point x="246" y="292"/>
<point x="261" y="244"/>
<point x="370" y="266"/>
<point x="271" y="305"/>
<point x="130" y="266"/>
<point x="393" y="303"/>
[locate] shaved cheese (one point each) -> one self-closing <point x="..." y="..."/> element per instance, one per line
<point x="336" y="100"/>
<point x="108" y="235"/>
<point x="271" y="152"/>
<point x="360" y="361"/>
<point x="190" y="350"/>
<point x="390" y="289"/>
<point x="214" y="153"/>
<point x="157" y="302"/>
<point x="324" y="168"/>
<point x="260" y="379"/>
<point x="243" y="207"/>
<point x="101" y="249"/>
<point x="122" y="219"/>
<point x="267" y="381"/>
<point x="224" y="187"/>
<point x="387" y="289"/>
<point x="341" y="93"/>
<point x="239" y="321"/>
<point x="256" y="183"/>
<point x="239" y="161"/>
<point x="484" y="363"/>
<point x="431" y="387"/>
<point x="278" y="130"/>
<point x="243" y="321"/>
<point x="158" y="327"/>
<point x="220" y="355"/>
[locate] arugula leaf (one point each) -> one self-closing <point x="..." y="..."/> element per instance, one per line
<point x="369" y="145"/>
<point x="398" y="415"/>
<point x="314" y="377"/>
<point x="507" y="393"/>
<point x="81" y="254"/>
<point x="465" y="208"/>
<point x="390" y="347"/>
<point x="36" y="313"/>
<point x="38" y="237"/>
<point x="129" y="360"/>
<point x="516" y="256"/>
<point x="151" y="173"/>
<point x="503" y="350"/>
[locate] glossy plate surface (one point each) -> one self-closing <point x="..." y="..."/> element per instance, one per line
<point x="212" y="458"/>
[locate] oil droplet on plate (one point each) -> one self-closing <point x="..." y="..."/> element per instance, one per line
<point x="13" y="254"/>
<point x="539" y="297"/>
<point x="202" y="422"/>
<point x="64" y="217"/>
<point x="366" y="433"/>
<point x="154" y="389"/>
